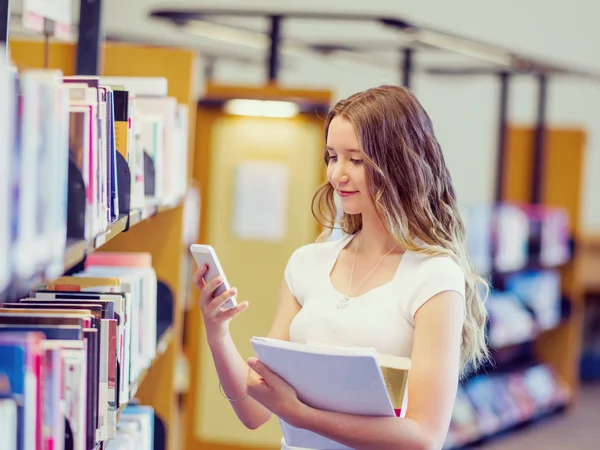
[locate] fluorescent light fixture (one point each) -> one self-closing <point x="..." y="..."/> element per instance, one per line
<point x="459" y="45"/>
<point x="260" y="41"/>
<point x="261" y="108"/>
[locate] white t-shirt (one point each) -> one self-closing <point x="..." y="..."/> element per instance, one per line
<point x="383" y="317"/>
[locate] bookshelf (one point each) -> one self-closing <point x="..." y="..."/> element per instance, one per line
<point x="536" y="303"/>
<point x="154" y="229"/>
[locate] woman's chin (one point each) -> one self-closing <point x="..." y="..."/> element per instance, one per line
<point x="351" y="209"/>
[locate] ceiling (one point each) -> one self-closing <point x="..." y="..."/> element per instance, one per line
<point x="526" y="26"/>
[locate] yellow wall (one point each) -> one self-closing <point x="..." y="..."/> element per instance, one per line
<point x="255" y="267"/>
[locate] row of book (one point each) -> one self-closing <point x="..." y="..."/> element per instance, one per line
<point x="72" y="352"/>
<point x="530" y="303"/>
<point x="489" y="404"/>
<point x="509" y="237"/>
<point x="590" y="358"/>
<point x="135" y="429"/>
<point x="61" y="133"/>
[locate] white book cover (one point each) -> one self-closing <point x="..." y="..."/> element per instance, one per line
<point x="75" y="394"/>
<point x="54" y="175"/>
<point x="103" y="408"/>
<point x="103" y="171"/>
<point x="341" y="379"/>
<point x="144" y="417"/>
<point x="136" y="162"/>
<point x="143" y="281"/>
<point x="8" y="423"/>
<point x="142" y="86"/>
<point x="30" y="249"/>
<point x="152" y="141"/>
<point x="7" y="124"/>
<point x="166" y="107"/>
<point x="61" y="169"/>
<point x="79" y="137"/>
<point x="182" y="150"/>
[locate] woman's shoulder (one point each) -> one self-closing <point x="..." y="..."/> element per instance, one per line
<point x="307" y="261"/>
<point x="319" y="250"/>
<point x="435" y="265"/>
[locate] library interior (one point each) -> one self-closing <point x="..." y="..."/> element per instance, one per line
<point x="193" y="124"/>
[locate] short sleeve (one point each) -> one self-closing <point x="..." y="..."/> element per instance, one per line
<point x="435" y="275"/>
<point x="299" y="269"/>
<point x="290" y="273"/>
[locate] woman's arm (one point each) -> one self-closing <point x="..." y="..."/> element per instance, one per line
<point x="232" y="369"/>
<point x="432" y="389"/>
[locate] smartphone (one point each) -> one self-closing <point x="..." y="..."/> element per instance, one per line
<point x="205" y="254"/>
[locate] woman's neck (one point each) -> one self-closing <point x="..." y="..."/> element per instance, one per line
<point x="374" y="238"/>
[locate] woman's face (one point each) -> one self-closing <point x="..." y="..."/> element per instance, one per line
<point x="346" y="170"/>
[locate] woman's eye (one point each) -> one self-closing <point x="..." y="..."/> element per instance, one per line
<point x="356" y="161"/>
<point x="333" y="158"/>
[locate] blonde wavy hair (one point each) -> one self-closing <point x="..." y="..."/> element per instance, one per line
<point x="412" y="192"/>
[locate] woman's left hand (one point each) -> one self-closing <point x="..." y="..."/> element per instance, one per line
<point x="273" y="392"/>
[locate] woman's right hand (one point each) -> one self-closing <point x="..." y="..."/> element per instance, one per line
<point x="216" y="319"/>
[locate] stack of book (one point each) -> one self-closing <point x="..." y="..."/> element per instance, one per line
<point x="135" y="430"/>
<point x="489" y="404"/>
<point x="509" y="237"/>
<point x="76" y="154"/>
<point x="318" y="371"/>
<point x="73" y="351"/>
<point x="590" y="358"/>
<point x="519" y="248"/>
<point x="530" y="303"/>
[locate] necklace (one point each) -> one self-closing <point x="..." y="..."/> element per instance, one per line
<point x="343" y="303"/>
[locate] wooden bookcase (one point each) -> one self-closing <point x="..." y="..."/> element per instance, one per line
<point x="162" y="233"/>
<point x="562" y="170"/>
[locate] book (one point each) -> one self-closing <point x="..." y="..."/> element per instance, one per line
<point x="21" y="367"/>
<point x="135" y="430"/>
<point x="8" y="419"/>
<point x="7" y="119"/>
<point x="335" y="378"/>
<point x="395" y="371"/>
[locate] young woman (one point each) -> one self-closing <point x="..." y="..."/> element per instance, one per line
<point x="400" y="280"/>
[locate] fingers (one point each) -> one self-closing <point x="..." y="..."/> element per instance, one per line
<point x="261" y="370"/>
<point x="231" y="313"/>
<point x="217" y="303"/>
<point x="198" y="276"/>
<point x="207" y="292"/>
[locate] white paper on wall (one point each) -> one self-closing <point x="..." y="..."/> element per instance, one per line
<point x="260" y="200"/>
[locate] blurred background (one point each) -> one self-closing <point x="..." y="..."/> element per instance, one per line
<point x="221" y="106"/>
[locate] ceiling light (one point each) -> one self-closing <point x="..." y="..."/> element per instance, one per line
<point x="261" y="108"/>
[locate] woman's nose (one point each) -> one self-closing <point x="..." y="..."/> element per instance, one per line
<point x="339" y="175"/>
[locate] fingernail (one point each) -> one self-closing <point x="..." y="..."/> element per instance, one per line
<point x="252" y="361"/>
<point x="219" y="280"/>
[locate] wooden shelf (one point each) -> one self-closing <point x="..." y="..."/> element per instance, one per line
<point x="161" y="348"/>
<point x="114" y="229"/>
<point x="526" y="422"/>
<point x="146" y="230"/>
<point x="76" y="250"/>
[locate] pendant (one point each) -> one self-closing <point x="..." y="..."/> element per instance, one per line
<point x="343" y="303"/>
